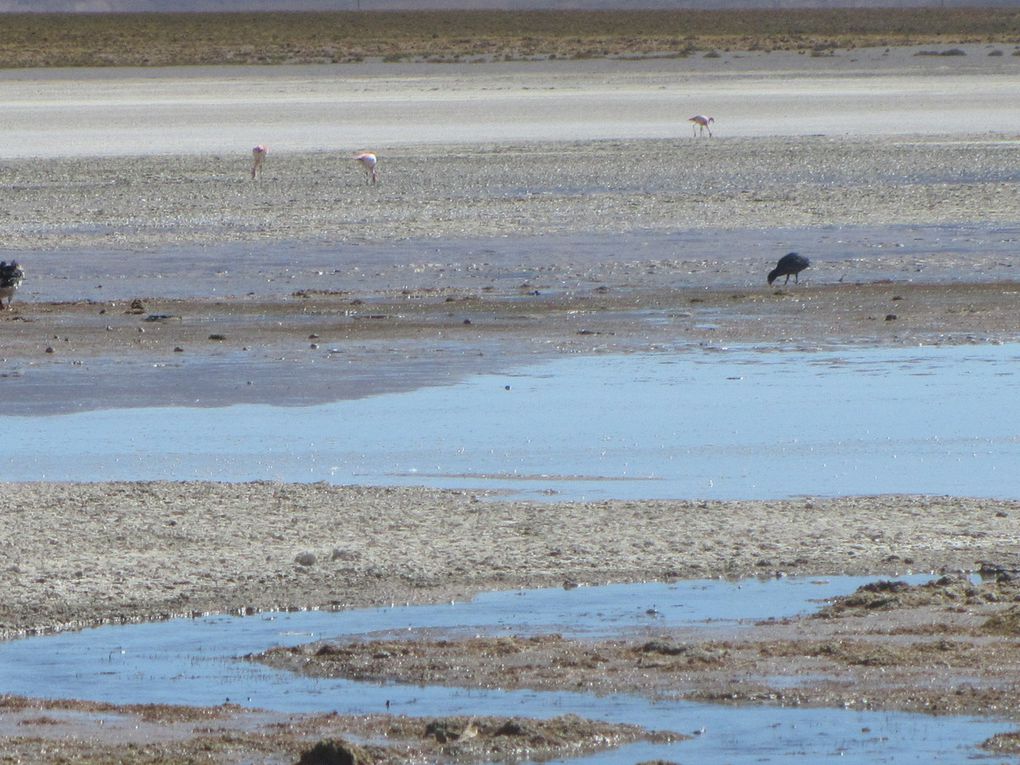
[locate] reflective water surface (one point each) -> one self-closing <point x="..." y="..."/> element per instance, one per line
<point x="195" y="662"/>
<point x="707" y="423"/>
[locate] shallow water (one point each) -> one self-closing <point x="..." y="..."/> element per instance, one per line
<point x="719" y="259"/>
<point x="708" y="423"/>
<point x="192" y="662"/>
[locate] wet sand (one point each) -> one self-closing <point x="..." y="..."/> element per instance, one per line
<point x="507" y="246"/>
<point x="68" y="357"/>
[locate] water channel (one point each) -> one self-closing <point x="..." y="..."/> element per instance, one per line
<point x="711" y="423"/>
<point x="195" y="662"/>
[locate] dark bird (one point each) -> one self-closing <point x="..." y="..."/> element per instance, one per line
<point x="789" y="265"/>
<point x="11" y="275"/>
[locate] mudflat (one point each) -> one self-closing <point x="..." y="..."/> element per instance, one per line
<point x="555" y="231"/>
<point x="143" y="270"/>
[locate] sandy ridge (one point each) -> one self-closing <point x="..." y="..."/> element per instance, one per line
<point x="81" y="554"/>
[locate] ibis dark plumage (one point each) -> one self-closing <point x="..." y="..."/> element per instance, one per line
<point x="789" y="265"/>
<point x="11" y="275"/>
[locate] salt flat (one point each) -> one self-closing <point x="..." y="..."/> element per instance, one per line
<point x="197" y="110"/>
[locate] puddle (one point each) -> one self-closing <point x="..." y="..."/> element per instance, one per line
<point x="192" y="662"/>
<point x="712" y="423"/>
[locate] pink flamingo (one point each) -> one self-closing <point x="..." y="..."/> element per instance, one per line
<point x="369" y="161"/>
<point x="258" y="155"/>
<point x="702" y="122"/>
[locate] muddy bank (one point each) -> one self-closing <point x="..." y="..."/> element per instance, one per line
<point x="75" y="731"/>
<point x="947" y="647"/>
<point x="63" y="357"/>
<point x="943" y="648"/>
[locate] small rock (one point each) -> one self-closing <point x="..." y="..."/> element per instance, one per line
<point x="890" y="317"/>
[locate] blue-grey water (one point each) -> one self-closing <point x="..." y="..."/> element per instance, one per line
<point x="711" y="422"/>
<point x="977" y="252"/>
<point x="196" y="662"/>
<point x="705" y="423"/>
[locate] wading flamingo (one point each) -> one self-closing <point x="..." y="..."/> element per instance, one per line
<point x="368" y="161"/>
<point x="258" y="155"/>
<point x="789" y="265"/>
<point x="701" y="122"/>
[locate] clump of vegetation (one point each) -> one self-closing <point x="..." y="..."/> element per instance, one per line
<point x="1005" y="623"/>
<point x="950" y="52"/>
<point x="161" y="39"/>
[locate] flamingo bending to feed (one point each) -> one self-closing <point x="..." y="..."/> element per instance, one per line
<point x="701" y="122"/>
<point x="369" y="161"/>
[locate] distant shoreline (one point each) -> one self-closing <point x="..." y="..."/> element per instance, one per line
<point x="261" y="6"/>
<point x="152" y="39"/>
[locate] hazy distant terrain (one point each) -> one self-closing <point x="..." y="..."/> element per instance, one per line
<point x="185" y="6"/>
<point x="333" y="37"/>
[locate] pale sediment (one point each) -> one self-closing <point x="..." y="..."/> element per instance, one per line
<point x="81" y="554"/>
<point x="523" y="189"/>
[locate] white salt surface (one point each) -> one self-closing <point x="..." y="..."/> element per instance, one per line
<point x="197" y="110"/>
